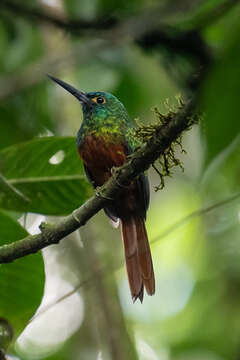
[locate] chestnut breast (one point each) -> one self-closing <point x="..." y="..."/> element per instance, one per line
<point x="100" y="156"/>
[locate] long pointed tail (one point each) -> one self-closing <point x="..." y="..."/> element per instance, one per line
<point x="138" y="257"/>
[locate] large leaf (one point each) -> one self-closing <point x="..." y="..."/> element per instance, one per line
<point x="21" y="282"/>
<point x="221" y="100"/>
<point x="38" y="182"/>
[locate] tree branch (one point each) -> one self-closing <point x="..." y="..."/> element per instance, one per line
<point x="140" y="161"/>
<point x="148" y="33"/>
<point x="71" y="25"/>
<point x="74" y="26"/>
<point x="148" y="30"/>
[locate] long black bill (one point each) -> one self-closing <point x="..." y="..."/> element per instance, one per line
<point x="81" y="96"/>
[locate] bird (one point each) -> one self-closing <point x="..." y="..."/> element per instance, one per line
<point x="104" y="142"/>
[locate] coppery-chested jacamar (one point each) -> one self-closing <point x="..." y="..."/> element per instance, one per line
<point x="104" y="142"/>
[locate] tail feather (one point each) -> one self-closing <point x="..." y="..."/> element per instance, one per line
<point x="145" y="258"/>
<point x="138" y="257"/>
<point x="129" y="235"/>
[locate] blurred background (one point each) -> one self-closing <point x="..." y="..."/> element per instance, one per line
<point x="72" y="301"/>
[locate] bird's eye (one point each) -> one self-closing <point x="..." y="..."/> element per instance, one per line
<point x="99" y="100"/>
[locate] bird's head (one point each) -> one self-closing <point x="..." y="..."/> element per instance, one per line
<point x="96" y="103"/>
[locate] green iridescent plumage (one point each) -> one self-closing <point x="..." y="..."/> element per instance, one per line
<point x="109" y="120"/>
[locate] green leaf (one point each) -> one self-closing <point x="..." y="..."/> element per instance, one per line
<point x="220" y="96"/>
<point x="33" y="182"/>
<point x="21" y="282"/>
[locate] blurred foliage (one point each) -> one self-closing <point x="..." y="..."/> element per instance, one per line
<point x="17" y="303"/>
<point x="20" y="42"/>
<point x="221" y="99"/>
<point x="23" y="117"/>
<point x="195" y="313"/>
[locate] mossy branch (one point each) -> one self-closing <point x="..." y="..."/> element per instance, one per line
<point x="167" y="160"/>
<point x="163" y="136"/>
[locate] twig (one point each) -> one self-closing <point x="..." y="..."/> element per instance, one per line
<point x="194" y="214"/>
<point x="139" y="162"/>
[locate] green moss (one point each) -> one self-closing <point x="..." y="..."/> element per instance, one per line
<point x="168" y="160"/>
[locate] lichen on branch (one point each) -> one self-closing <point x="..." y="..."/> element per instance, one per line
<point x="168" y="158"/>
